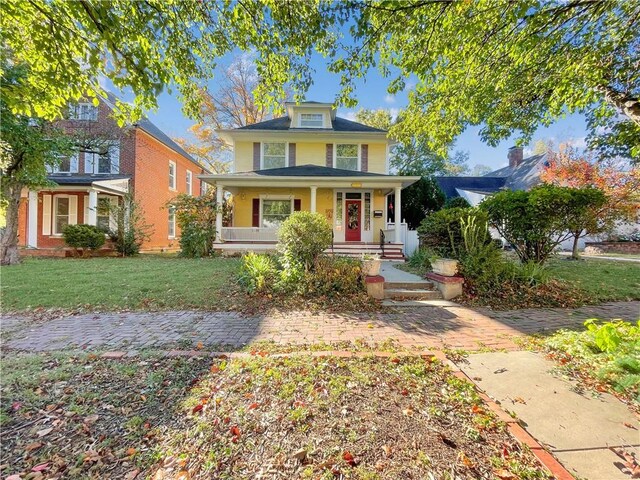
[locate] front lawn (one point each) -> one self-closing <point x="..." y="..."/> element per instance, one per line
<point x="78" y="416"/>
<point x="145" y="282"/>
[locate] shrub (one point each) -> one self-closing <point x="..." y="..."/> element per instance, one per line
<point x="442" y="231"/>
<point x="86" y="237"/>
<point x="258" y="272"/>
<point x="421" y="259"/>
<point x="131" y="230"/>
<point x="456" y="202"/>
<point x="303" y="237"/>
<point x="334" y="276"/>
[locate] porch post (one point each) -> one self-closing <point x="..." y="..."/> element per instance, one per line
<point x="219" y="191"/>
<point x="313" y="197"/>
<point x="92" y="215"/>
<point x="32" y="231"/>
<point x="398" y="214"/>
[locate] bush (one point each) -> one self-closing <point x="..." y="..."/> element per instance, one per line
<point x="456" y="202"/>
<point x="86" y="237"/>
<point x="131" y="230"/>
<point x="334" y="276"/>
<point x="421" y="259"/>
<point x="196" y="218"/>
<point x="442" y="231"/>
<point x="258" y="273"/>
<point x="303" y="237"/>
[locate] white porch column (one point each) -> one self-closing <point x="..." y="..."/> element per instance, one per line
<point x="313" y="197"/>
<point x="32" y="229"/>
<point x="219" y="191"/>
<point x="92" y="213"/>
<point x="398" y="214"/>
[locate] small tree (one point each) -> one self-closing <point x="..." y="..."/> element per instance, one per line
<point x="85" y="237"/>
<point x="131" y="229"/>
<point x="535" y="222"/>
<point x="196" y="217"/>
<point x="586" y="215"/>
<point x="303" y="237"/>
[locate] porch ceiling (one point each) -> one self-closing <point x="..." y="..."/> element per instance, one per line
<point x="379" y="181"/>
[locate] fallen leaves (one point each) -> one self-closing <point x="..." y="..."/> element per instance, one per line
<point x="44" y="432"/>
<point x="348" y="457"/>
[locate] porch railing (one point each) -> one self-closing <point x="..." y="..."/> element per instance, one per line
<point x="249" y="234"/>
<point x="382" y="241"/>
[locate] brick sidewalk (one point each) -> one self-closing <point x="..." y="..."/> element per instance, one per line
<point x="422" y="327"/>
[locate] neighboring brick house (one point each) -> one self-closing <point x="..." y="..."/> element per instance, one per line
<point x="139" y="158"/>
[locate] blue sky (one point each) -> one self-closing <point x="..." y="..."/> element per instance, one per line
<point x="371" y="93"/>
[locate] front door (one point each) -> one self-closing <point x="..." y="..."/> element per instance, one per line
<point x="354" y="224"/>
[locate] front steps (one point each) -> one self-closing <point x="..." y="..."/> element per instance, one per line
<point x="413" y="291"/>
<point x="392" y="251"/>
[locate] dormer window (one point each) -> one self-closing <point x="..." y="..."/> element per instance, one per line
<point x="311" y="120"/>
<point x="83" y="111"/>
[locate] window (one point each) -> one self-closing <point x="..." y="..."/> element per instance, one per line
<point x="204" y="187"/>
<point x="189" y="178"/>
<point x="274" y="155"/>
<point x="83" y="111"/>
<point x="61" y="214"/>
<point x="103" y="216"/>
<point x="339" y="209"/>
<point x="367" y="211"/>
<point x="172" y="175"/>
<point x="347" y="157"/>
<point x="172" y="222"/>
<point x="103" y="162"/>
<point x="312" y="120"/>
<point x="274" y="212"/>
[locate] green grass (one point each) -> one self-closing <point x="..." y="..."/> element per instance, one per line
<point x="603" y="280"/>
<point x="144" y="282"/>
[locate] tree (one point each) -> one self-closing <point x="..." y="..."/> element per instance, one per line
<point x="131" y="227"/>
<point x="585" y="215"/>
<point x="419" y="200"/>
<point x="479" y="170"/>
<point x="231" y="106"/>
<point x="570" y="167"/>
<point x="29" y="147"/>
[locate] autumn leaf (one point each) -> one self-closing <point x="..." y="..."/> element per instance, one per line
<point x="131" y="452"/>
<point x="465" y="460"/>
<point x="197" y="408"/>
<point x="254" y="405"/>
<point x="235" y="431"/>
<point x="503" y="474"/>
<point x="199" y="346"/>
<point x="33" y="446"/>
<point x="404" y="392"/>
<point x="40" y="468"/>
<point x="132" y="474"/>
<point x="348" y="457"/>
<point x="44" y="431"/>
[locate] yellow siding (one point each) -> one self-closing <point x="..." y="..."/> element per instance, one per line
<point x="378" y="157"/>
<point x="243" y="153"/>
<point x="308" y="153"/>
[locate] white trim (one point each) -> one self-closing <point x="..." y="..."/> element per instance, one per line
<point x="286" y="154"/>
<point x="339" y="234"/>
<point x="90" y="115"/>
<point x="335" y="154"/>
<point x="322" y="115"/>
<point x="173" y="178"/>
<point x="171" y="222"/>
<point x="189" y="182"/>
<point x="46" y="214"/>
<point x="32" y="228"/>
<point x="72" y="216"/>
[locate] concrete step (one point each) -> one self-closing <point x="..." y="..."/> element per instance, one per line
<point x="425" y="285"/>
<point x="421" y="294"/>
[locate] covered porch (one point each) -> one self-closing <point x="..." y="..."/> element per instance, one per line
<point x="354" y="203"/>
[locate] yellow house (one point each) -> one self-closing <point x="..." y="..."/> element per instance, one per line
<point x="310" y="160"/>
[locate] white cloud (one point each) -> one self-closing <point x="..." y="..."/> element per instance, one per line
<point x="389" y="99"/>
<point x="394" y="112"/>
<point x="349" y="115"/>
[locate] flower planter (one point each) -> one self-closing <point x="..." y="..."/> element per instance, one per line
<point x="445" y="266"/>
<point x="371" y="268"/>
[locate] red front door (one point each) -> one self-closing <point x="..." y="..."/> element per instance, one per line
<point x="354" y="224"/>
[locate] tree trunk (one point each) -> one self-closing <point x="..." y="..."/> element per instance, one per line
<point x="9" y="254"/>
<point x="627" y="104"/>
<point x="574" y="250"/>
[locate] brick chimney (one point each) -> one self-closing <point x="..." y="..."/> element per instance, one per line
<point x="515" y="156"/>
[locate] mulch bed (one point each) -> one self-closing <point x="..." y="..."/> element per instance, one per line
<point x="66" y="416"/>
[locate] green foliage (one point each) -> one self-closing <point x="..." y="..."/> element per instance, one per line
<point x="441" y="231"/>
<point x="421" y="259"/>
<point x="303" y="237"/>
<point x="87" y="237"/>
<point x="419" y="200"/>
<point x="535" y="222"/>
<point x="456" y="202"/>
<point x="196" y="217"/>
<point x="605" y="351"/>
<point x="335" y="276"/>
<point x="258" y="273"/>
<point x="131" y="228"/>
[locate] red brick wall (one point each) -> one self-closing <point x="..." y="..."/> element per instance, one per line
<point x="50" y="241"/>
<point x="22" y="222"/>
<point x="611" y="247"/>
<point x="151" y="185"/>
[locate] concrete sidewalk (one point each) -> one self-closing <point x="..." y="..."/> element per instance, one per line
<point x="577" y="427"/>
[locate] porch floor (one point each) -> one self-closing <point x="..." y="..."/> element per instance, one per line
<point x="392" y="251"/>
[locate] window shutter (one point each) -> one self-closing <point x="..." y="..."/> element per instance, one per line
<point x="85" y="219"/>
<point x="297" y="205"/>
<point x="114" y="157"/>
<point x="256" y="155"/>
<point x="364" y="158"/>
<point x="329" y="155"/>
<point x="255" y="217"/>
<point x="73" y="163"/>
<point x="46" y="214"/>
<point x="292" y="154"/>
<point x="73" y="209"/>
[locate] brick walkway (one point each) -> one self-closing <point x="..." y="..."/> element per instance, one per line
<point x="422" y="327"/>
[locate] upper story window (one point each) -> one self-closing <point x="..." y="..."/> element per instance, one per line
<point x="172" y="175"/>
<point x="103" y="162"/>
<point x="83" y="111"/>
<point x="67" y="165"/>
<point x="347" y="156"/>
<point x="312" y="120"/>
<point x="189" y="182"/>
<point x="274" y="155"/>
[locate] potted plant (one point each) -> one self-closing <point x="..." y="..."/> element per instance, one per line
<point x="371" y="265"/>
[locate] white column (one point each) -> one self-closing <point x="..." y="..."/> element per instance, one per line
<point x="92" y="214"/>
<point x="32" y="229"/>
<point x="398" y="214"/>
<point x="219" y="191"/>
<point x="313" y="198"/>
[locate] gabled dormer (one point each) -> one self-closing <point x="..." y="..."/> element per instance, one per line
<point x="311" y="115"/>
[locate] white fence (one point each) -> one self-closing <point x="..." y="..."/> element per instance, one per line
<point x="250" y="234"/>
<point x="409" y="238"/>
